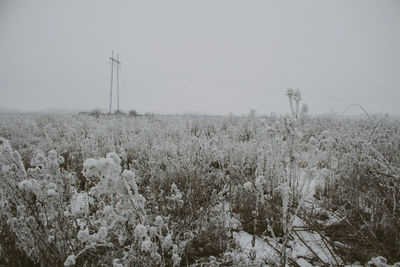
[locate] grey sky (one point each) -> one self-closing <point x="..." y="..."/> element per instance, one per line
<point x="209" y="56"/>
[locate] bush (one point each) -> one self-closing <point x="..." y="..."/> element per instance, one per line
<point x="133" y="113"/>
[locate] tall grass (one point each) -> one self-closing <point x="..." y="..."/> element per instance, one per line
<point x="189" y="173"/>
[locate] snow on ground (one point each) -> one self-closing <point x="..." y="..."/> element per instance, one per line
<point x="317" y="246"/>
<point x="262" y="249"/>
<point x="79" y="203"/>
<point x="299" y="251"/>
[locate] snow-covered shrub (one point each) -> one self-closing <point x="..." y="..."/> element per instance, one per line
<point x="32" y="206"/>
<point x="270" y="170"/>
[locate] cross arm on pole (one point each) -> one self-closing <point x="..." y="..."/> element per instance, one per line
<point x="115" y="60"/>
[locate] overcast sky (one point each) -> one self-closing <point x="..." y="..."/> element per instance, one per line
<point x="208" y="56"/>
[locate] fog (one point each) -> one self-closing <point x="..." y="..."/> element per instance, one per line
<point x="211" y="57"/>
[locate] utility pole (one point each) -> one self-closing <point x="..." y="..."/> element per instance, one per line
<point x="118" y="66"/>
<point x="112" y="72"/>
<point x="117" y="63"/>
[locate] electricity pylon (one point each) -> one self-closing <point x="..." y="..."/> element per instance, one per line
<point x="118" y="65"/>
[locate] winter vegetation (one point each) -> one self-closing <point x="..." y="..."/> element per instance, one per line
<point x="128" y="190"/>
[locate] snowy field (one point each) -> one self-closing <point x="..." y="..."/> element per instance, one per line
<point x="168" y="133"/>
<point x="119" y="190"/>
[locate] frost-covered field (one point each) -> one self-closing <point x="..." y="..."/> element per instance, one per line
<point x="199" y="191"/>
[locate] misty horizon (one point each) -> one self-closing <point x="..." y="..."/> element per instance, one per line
<point x="210" y="58"/>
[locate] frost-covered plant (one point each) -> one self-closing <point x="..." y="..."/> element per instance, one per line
<point x="300" y="173"/>
<point x="54" y="225"/>
<point x="174" y="200"/>
<point x="32" y="204"/>
<point x="294" y="95"/>
<point x="353" y="166"/>
<point x="112" y="214"/>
